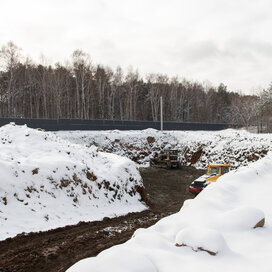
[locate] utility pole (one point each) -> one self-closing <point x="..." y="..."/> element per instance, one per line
<point x="161" y="114"/>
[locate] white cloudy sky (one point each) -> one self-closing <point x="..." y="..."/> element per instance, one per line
<point x="225" y="41"/>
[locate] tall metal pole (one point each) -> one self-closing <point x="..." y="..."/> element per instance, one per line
<point x="161" y="114"/>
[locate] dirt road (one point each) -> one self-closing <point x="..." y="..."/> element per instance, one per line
<point x="58" y="249"/>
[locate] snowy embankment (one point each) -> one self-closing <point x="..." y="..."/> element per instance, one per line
<point x="220" y="230"/>
<point x="138" y="145"/>
<point x="237" y="147"/>
<point x="47" y="182"/>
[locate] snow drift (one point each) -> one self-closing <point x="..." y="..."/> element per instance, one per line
<point x="138" y="145"/>
<point x="227" y="227"/>
<point x="237" y="147"/>
<point x="47" y="182"/>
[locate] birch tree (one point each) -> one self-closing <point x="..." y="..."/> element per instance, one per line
<point x="131" y="79"/>
<point x="82" y="74"/>
<point x="10" y="56"/>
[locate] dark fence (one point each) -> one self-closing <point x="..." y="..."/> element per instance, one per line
<point x="79" y="124"/>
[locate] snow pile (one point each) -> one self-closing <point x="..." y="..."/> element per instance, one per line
<point x="201" y="239"/>
<point x="47" y="182"/>
<point x="138" y="145"/>
<point x="227" y="227"/>
<point x="236" y="147"/>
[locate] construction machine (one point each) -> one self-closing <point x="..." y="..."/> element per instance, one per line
<point x="168" y="159"/>
<point x="214" y="171"/>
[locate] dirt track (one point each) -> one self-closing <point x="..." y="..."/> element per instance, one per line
<point x="58" y="249"/>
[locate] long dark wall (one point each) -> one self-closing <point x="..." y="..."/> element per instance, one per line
<point x="79" y="124"/>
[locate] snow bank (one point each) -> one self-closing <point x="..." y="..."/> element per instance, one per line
<point x="139" y="146"/>
<point x="236" y="147"/>
<point x="47" y="182"/>
<point x="123" y="260"/>
<point x="223" y="219"/>
<point x="201" y="239"/>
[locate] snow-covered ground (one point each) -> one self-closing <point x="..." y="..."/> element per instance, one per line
<point x="237" y="147"/>
<point x="216" y="231"/>
<point x="47" y="182"/>
<point x="138" y="145"/>
<point x="50" y="179"/>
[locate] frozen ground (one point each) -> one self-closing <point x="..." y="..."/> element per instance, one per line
<point x="220" y="230"/>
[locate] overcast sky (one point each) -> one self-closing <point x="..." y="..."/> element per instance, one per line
<point x="227" y="41"/>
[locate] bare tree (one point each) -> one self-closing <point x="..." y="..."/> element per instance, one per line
<point x="10" y="57"/>
<point x="244" y="109"/>
<point x="156" y="88"/>
<point x="265" y="109"/>
<point x="131" y="86"/>
<point x="82" y="74"/>
<point x="116" y="84"/>
<point x="81" y="90"/>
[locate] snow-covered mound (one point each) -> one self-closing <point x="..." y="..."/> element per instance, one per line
<point x="227" y="227"/>
<point x="138" y="145"/>
<point x="236" y="147"/>
<point x="47" y="182"/>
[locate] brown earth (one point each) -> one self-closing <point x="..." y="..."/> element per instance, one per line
<point x="56" y="250"/>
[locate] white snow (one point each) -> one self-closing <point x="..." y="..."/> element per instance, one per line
<point x="50" y="180"/>
<point x="201" y="238"/>
<point x="220" y="220"/>
<point x="237" y="147"/>
<point x="137" y="145"/>
<point x="47" y="182"/>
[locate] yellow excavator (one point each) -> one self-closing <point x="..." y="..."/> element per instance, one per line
<point x="214" y="171"/>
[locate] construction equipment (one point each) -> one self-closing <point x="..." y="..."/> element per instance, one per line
<point x="214" y="171"/>
<point x="167" y="159"/>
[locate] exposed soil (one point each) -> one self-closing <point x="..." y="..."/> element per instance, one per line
<point x="56" y="250"/>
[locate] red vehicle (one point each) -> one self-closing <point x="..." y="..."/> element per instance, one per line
<point x="215" y="170"/>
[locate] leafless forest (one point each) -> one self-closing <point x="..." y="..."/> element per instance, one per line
<point x="80" y="89"/>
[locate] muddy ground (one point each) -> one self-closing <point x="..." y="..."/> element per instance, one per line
<point x="58" y="249"/>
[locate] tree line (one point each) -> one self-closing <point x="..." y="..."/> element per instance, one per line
<point x="82" y="90"/>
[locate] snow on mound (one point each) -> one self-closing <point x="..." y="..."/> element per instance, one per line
<point x="126" y="260"/>
<point x="47" y="182"/>
<point x="221" y="219"/>
<point x="202" y="239"/>
<point x="241" y="218"/>
<point x="237" y="147"/>
<point x="137" y="145"/>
